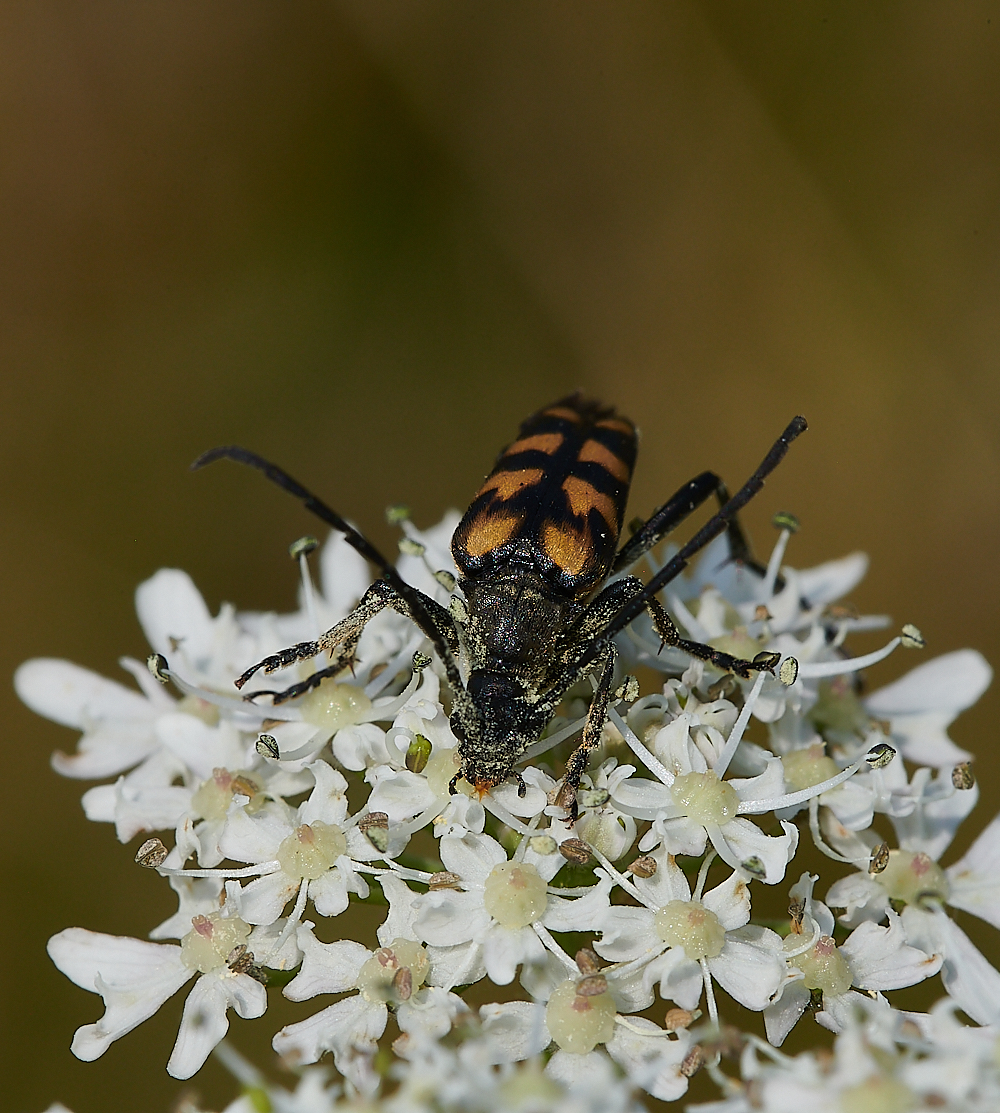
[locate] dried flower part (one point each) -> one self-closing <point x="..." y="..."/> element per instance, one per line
<point x="576" y="851"/>
<point x="373" y="820"/>
<point x="151" y="854"/>
<point x="642" y="867"/>
<point x="796" y="912"/>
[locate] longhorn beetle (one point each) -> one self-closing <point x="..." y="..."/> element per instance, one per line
<point x="534" y="615"/>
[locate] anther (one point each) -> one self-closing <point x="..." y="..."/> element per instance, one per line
<point x="878" y="757"/>
<point x="879" y="858"/>
<point x="784" y="519"/>
<point x="754" y="867"/>
<point x="677" y="1020"/>
<point x="628" y="690"/>
<point x="157" y="665"/>
<point x="444" y="880"/>
<point x="766" y="662"/>
<point x="592" y="985"/>
<point x="642" y="867"/>
<point x="445" y="579"/>
<point x="575" y="851"/>
<point x="693" y="1061"/>
<point x="587" y="962"/>
<point x="267" y="746"/>
<point x="402" y="983"/>
<point x="411" y="548"/>
<point x="789" y="671"/>
<point x="418" y="754"/>
<point x="593" y="797"/>
<point x="397" y="514"/>
<point x="962" y="776"/>
<point x="911" y="638"/>
<point x="420" y="661"/>
<point x="151" y="854"/>
<point x="375" y="827"/>
<point x="302" y="547"/>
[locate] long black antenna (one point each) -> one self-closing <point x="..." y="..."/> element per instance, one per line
<point x="708" y="532"/>
<point x="411" y="595"/>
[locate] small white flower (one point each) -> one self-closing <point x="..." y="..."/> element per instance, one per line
<point x="135" y="978"/>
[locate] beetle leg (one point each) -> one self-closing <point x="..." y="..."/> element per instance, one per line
<point x="341" y="640"/>
<point x="598" y="712"/>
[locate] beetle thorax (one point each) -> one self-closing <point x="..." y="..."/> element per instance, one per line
<point x="515" y="621"/>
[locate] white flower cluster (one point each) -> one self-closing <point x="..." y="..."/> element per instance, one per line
<point x="282" y="814"/>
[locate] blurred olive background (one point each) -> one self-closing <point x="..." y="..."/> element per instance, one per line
<point x="367" y="239"/>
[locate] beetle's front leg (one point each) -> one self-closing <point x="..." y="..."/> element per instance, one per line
<point x="592" y="729"/>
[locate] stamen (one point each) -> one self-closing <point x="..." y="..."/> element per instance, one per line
<point x="545" y="936"/>
<point x="694" y="628"/>
<point x="777" y="555"/>
<point x="652" y="763"/>
<point x="815" y="669"/>
<point x="819" y="842"/>
<point x="300" y="550"/>
<point x="759" y="807"/>
<point x="739" y="727"/>
<point x="553" y="739"/>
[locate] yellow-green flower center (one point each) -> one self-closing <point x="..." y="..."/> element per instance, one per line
<point x="213" y="797"/>
<point x="312" y="849"/>
<point x="211" y="940"/>
<point x="693" y="927"/>
<point x="334" y="705"/>
<point x="704" y="798"/>
<point x="394" y="973"/>
<point x="879" y="1094"/>
<point x="515" y="894"/>
<point x="808" y="767"/>
<point x="913" y="877"/>
<point x="577" y="1021"/>
<point x="825" y="968"/>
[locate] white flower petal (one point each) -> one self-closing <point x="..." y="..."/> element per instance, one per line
<point x="171" y="610"/>
<point x="264" y="899"/>
<point x="446" y="917"/>
<point x="751" y="966"/>
<point x="730" y="902"/>
<point x="782" y="1016"/>
<point x="398" y="792"/>
<point x="326" y="967"/>
<point x="649" y="1058"/>
<point x="880" y="959"/>
<point x="205" y="1021"/>
<point x="951" y="682"/>
<point x="349" y="1025"/>
<point x="974" y="880"/>
<point x="77" y="697"/>
<point x="514" y="1031"/>
<point x="504" y="949"/>
<point x="472" y="857"/>
<point x="134" y="978"/>
<point x="833" y="580"/>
